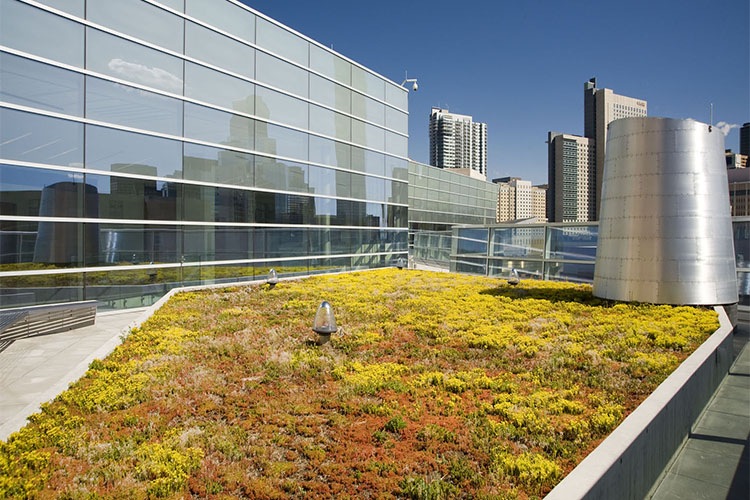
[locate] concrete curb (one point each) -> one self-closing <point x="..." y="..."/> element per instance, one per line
<point x="628" y="462"/>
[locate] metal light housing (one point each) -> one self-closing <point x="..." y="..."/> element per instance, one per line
<point x="401" y="263"/>
<point x="325" y="322"/>
<point x="514" y="278"/>
<point x="273" y="278"/>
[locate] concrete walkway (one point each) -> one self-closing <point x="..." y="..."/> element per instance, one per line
<point x="37" y="369"/>
<point x="713" y="464"/>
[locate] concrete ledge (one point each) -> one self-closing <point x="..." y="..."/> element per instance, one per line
<point x="628" y="462"/>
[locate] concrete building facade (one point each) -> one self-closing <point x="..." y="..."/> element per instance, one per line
<point x="458" y="142"/>
<point x="518" y="199"/>
<point x="571" y="195"/>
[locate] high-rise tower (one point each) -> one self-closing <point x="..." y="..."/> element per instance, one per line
<point x="456" y="141"/>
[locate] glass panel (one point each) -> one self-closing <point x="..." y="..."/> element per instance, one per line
<point x="329" y="152"/>
<point x="296" y="267"/>
<point x="214" y="48"/>
<point x="217" y="88"/>
<point x="129" y="152"/>
<point x="278" y="208"/>
<point x="470" y="266"/>
<point x="219" y="127"/>
<point x="210" y="274"/>
<point x="327" y="122"/>
<point x="396" y="120"/>
<point x="211" y="243"/>
<point x="40" y="245"/>
<point x="330" y="65"/>
<point x="280" y="108"/>
<point x="330" y="265"/>
<point x="368" y="161"/>
<point x="330" y="241"/>
<point x="130" y="107"/>
<point x="30" y="191"/>
<point x="140" y="20"/>
<point x="281" y="42"/>
<point x="331" y="94"/>
<point x="397" y="96"/>
<point x="368" y="135"/>
<point x="368" y="83"/>
<point x="573" y="243"/>
<point x="75" y="7"/>
<point x="396" y="144"/>
<point x="741" y="234"/>
<point x="517" y="242"/>
<point x="281" y="74"/>
<point x="271" y="173"/>
<point x="396" y="192"/>
<point x="38" y="85"/>
<point x="204" y="163"/>
<point x="41" y="33"/>
<point x="129" y="61"/>
<point x="178" y="5"/>
<point x="329" y="181"/>
<point x="281" y="141"/>
<point x="525" y="269"/>
<point x="136" y="244"/>
<point x="224" y="15"/>
<point x="211" y="204"/>
<point x="472" y="241"/>
<point x="136" y="199"/>
<point x="280" y="243"/>
<point x="131" y="287"/>
<point x="369" y="109"/>
<point x="40" y="139"/>
<point x="368" y="188"/>
<point x="18" y="291"/>
<point x="577" y="273"/>
<point x="396" y="168"/>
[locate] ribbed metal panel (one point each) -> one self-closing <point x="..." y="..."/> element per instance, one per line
<point x="665" y="231"/>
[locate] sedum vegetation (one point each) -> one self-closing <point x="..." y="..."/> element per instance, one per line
<point x="436" y="386"/>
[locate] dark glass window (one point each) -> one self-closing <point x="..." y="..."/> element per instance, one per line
<point x="40" y="139"/>
<point x="115" y="244"/>
<point x="40" y="192"/>
<point x="213" y="243"/>
<point x="136" y="199"/>
<point x="128" y="152"/>
<point x="204" y="163"/>
<point x="282" y="242"/>
<point x="211" y="204"/>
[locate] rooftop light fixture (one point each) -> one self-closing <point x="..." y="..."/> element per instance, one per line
<point x="400" y="263"/>
<point x="514" y="278"/>
<point x="325" y="322"/>
<point x="414" y="87"/>
<point x="273" y="278"/>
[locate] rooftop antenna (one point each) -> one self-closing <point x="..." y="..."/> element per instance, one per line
<point x="711" y="122"/>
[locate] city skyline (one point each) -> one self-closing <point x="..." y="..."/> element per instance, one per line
<point x="509" y="73"/>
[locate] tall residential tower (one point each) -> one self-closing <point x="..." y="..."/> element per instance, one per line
<point x="458" y="142"/>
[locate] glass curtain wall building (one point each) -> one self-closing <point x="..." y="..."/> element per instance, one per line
<point x="152" y="144"/>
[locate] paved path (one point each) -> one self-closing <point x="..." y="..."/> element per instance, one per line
<point x="37" y="369"/>
<point x="714" y="463"/>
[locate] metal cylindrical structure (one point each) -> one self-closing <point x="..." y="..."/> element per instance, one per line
<point x="665" y="230"/>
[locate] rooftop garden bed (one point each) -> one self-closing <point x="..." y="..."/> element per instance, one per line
<point x="436" y="385"/>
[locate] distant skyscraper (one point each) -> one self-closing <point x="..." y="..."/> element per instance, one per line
<point x="572" y="178"/>
<point x="745" y="139"/>
<point x="600" y="107"/>
<point x="458" y="142"/>
<point x="518" y="199"/>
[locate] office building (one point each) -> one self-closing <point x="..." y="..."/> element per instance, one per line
<point x="457" y="142"/>
<point x="745" y="139"/>
<point x="739" y="191"/>
<point x="600" y="107"/>
<point x="149" y="145"/>
<point x="735" y="160"/>
<point x="572" y="178"/>
<point x="517" y="200"/>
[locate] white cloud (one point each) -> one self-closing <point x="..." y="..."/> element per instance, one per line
<point x="153" y="77"/>
<point x="726" y="127"/>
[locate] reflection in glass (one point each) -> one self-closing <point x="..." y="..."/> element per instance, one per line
<point x="138" y="19"/>
<point x="329" y="181"/>
<point x="129" y="152"/>
<point x="396" y="120"/>
<point x="131" y="107"/>
<point x="39" y="85"/>
<point x="330" y="65"/>
<point x="396" y="144"/>
<point x="138" y="199"/>
<point x="211" y="204"/>
<point x="41" y="33"/>
<point x="41" y="245"/>
<point x="525" y="269"/>
<point x="204" y="163"/>
<point x="280" y="74"/>
<point x="135" y="244"/>
<point x="326" y="122"/>
<point x="131" y="287"/>
<point x="329" y="152"/>
<point x="282" y="242"/>
<point x="368" y="161"/>
<point x="75" y="7"/>
<point x="27" y="191"/>
<point x="368" y="109"/>
<point x="396" y="96"/>
<point x="211" y="125"/>
<point x="368" y="135"/>
<point x="330" y="241"/>
<point x="329" y="93"/>
<point x="282" y="208"/>
<point x="19" y="291"/>
<point x="517" y="242"/>
<point x="218" y="88"/>
<point x="283" y="175"/>
<point x="280" y="108"/>
<point x="130" y="61"/>
<point x="573" y="243"/>
<point x="368" y="188"/>
<point x="368" y="83"/>
<point x="40" y="139"/>
<point x="215" y="243"/>
<point x="214" y="48"/>
<point x="281" y="141"/>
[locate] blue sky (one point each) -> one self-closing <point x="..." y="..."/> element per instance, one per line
<point x="520" y="66"/>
